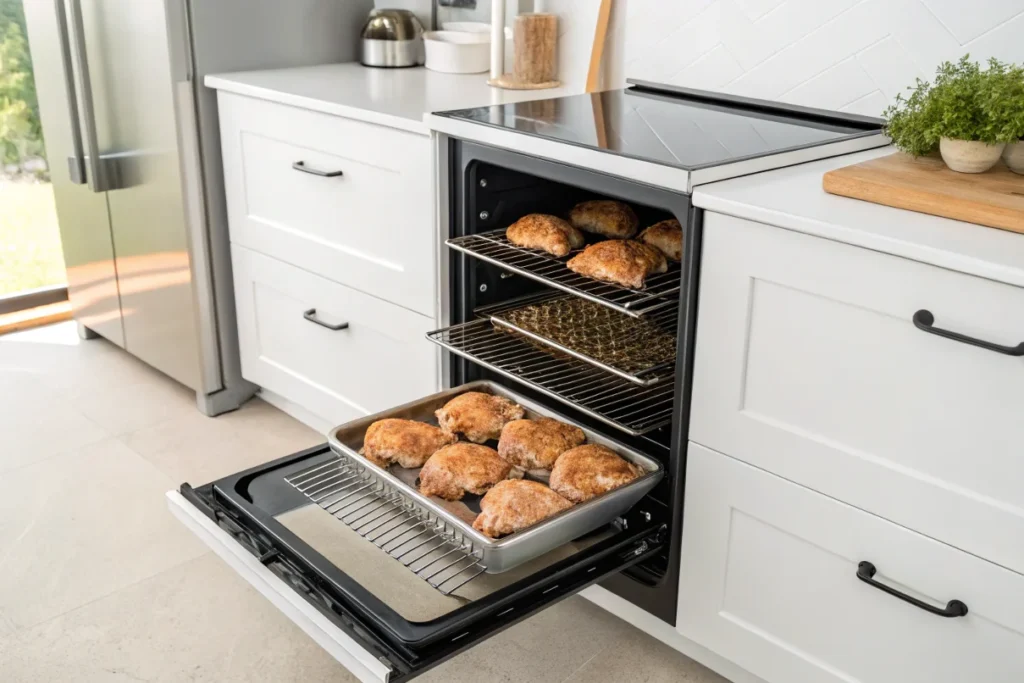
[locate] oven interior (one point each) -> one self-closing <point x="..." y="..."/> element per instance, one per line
<point x="489" y="190"/>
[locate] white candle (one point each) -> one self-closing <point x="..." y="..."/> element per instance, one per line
<point x="497" y="38"/>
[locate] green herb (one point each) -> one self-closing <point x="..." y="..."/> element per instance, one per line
<point x="1003" y="100"/>
<point x="963" y="103"/>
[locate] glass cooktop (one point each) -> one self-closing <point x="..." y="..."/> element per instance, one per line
<point x="675" y="127"/>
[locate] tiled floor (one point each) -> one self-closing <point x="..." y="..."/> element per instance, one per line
<point x="99" y="583"/>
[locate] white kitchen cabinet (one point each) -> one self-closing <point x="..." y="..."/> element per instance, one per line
<point x="349" y="200"/>
<point x="285" y="314"/>
<point x="769" y="581"/>
<point x="809" y="365"/>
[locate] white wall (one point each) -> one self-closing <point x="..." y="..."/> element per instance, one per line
<point x="852" y="55"/>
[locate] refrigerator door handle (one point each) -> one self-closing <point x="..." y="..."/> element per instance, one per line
<point x="97" y="172"/>
<point x="76" y="162"/>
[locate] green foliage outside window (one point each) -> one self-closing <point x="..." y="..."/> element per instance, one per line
<point x="21" y="135"/>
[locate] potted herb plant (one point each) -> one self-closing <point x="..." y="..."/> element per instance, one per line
<point x="955" y="115"/>
<point x="1004" y="103"/>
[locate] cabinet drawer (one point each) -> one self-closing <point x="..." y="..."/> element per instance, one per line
<point x="371" y="228"/>
<point x="381" y="359"/>
<point x="809" y="365"/>
<point x="769" y="580"/>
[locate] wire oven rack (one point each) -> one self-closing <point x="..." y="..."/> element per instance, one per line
<point x="611" y="326"/>
<point x="605" y="397"/>
<point x="662" y="289"/>
<point x="427" y="545"/>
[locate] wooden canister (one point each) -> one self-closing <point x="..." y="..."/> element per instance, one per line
<point x="536" y="39"/>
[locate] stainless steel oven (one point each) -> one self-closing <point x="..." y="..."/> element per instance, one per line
<point x="391" y="589"/>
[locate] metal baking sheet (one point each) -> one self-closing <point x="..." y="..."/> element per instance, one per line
<point x="498" y="555"/>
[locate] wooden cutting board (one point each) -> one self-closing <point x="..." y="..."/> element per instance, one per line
<point x="994" y="198"/>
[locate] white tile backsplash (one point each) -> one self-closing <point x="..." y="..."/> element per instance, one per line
<point x="850" y="54"/>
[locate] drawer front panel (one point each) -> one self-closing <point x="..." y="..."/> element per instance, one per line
<point x="769" y="580"/>
<point x="380" y="360"/>
<point x="370" y="228"/>
<point x="808" y="365"/>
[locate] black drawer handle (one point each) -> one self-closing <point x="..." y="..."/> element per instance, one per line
<point x="924" y="320"/>
<point x="301" y="166"/>
<point x="310" y="315"/>
<point x="954" y="608"/>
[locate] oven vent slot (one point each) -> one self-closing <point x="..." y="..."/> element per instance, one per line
<point x="605" y="397"/>
<point x="428" y="546"/>
<point x="662" y="290"/>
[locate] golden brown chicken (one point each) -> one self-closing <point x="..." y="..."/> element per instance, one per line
<point x="588" y="471"/>
<point x="544" y="232"/>
<point x="666" y="237"/>
<point x="462" y="467"/>
<point x="477" y="416"/>
<point x="536" y="444"/>
<point x="407" y="442"/>
<point x="623" y="262"/>
<point x="605" y="217"/>
<point x="516" y="504"/>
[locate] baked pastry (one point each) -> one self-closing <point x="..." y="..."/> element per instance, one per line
<point x="588" y="471"/>
<point x="623" y="262"/>
<point x="544" y="232"/>
<point x="536" y="444"/>
<point x="407" y="442"/>
<point x="666" y="237"/>
<point x="516" y="504"/>
<point x="605" y="217"/>
<point x="478" y="416"/>
<point x="462" y="467"/>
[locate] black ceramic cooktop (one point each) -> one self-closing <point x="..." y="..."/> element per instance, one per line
<point x="670" y="128"/>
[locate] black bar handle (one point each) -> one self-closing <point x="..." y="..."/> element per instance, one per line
<point x="954" y="608"/>
<point x="310" y="315"/>
<point x="924" y="320"/>
<point x="301" y="166"/>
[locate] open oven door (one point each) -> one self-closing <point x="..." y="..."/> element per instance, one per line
<point x="381" y="620"/>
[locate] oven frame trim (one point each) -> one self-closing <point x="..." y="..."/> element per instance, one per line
<point x="463" y="214"/>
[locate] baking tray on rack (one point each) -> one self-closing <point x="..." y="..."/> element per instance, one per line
<point x="639" y="350"/>
<point x="450" y="520"/>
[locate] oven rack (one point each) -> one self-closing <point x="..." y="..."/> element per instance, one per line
<point x="615" y="327"/>
<point x="662" y="289"/>
<point x="424" y="543"/>
<point x="605" y="397"/>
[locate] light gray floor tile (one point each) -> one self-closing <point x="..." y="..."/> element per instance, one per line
<point x="196" y="622"/>
<point x="635" y="656"/>
<point x="81" y="525"/>
<point x="546" y="647"/>
<point x="199" y="449"/>
<point x="104" y="383"/>
<point x="125" y="408"/>
<point x="37" y="423"/>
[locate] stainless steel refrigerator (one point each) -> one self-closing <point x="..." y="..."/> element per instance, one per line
<point x="134" y="152"/>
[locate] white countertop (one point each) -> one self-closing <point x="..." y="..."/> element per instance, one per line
<point x="793" y="198"/>
<point x="398" y="98"/>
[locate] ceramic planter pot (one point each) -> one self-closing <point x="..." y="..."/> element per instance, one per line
<point x="969" y="156"/>
<point x="1014" y="156"/>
